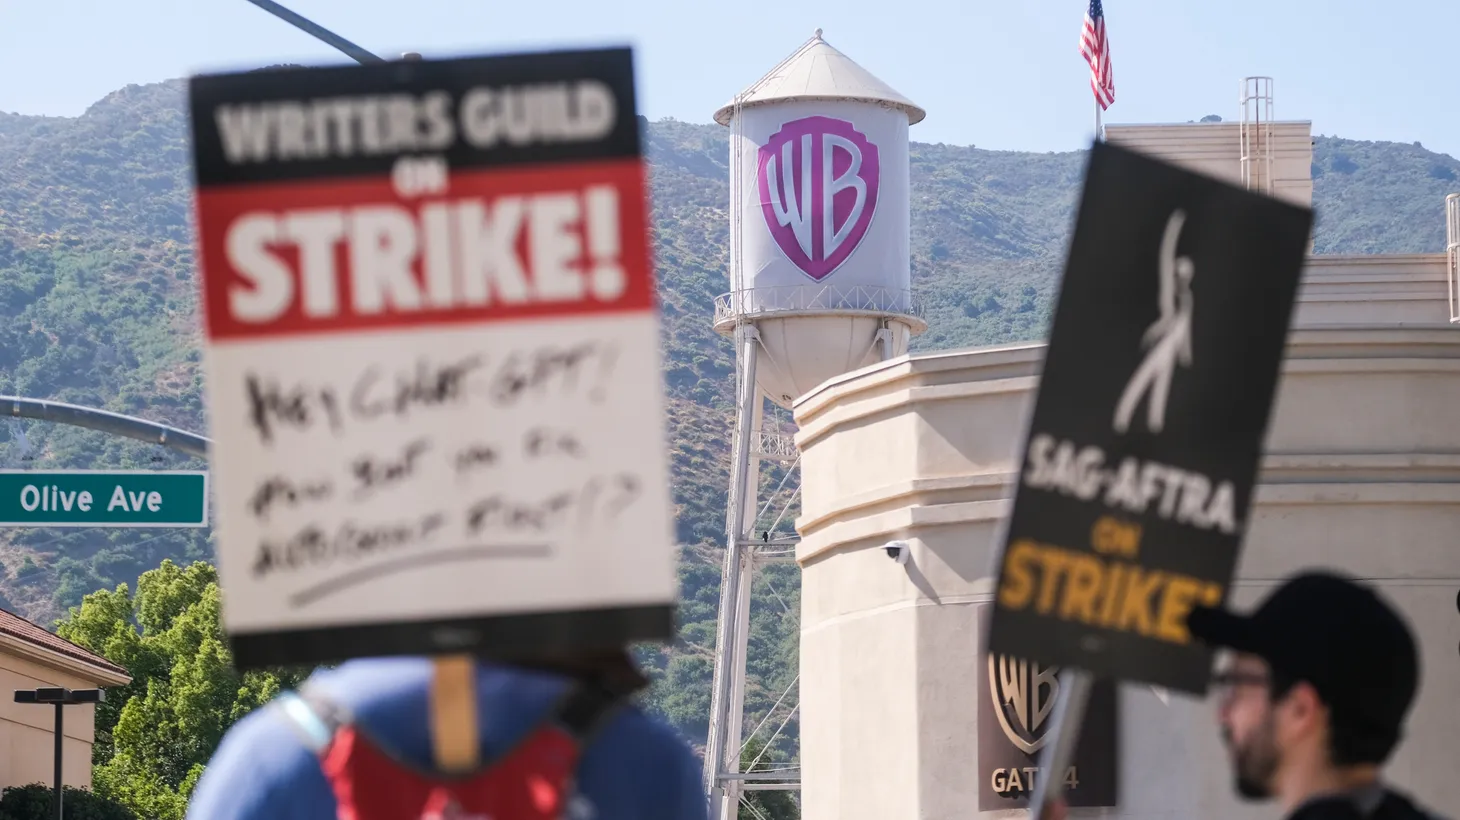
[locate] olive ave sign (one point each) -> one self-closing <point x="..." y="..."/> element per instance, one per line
<point x="433" y="359"/>
<point x="103" y="498"/>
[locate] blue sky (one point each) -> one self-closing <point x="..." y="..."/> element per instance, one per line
<point x="1002" y="75"/>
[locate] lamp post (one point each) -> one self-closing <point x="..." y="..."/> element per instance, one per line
<point x="60" y="697"/>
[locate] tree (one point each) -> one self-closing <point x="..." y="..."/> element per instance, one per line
<point x="155" y="735"/>
<point x="33" y="802"/>
<point x="767" y="804"/>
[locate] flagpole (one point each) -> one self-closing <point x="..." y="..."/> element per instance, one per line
<point x="1098" y="135"/>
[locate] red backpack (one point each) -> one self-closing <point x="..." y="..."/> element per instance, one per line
<point x="533" y="780"/>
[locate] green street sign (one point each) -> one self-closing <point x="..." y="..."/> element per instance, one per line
<point x="103" y="498"/>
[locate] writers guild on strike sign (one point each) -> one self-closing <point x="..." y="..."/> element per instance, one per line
<point x="433" y="358"/>
<point x="1015" y="709"/>
<point x="1153" y="405"/>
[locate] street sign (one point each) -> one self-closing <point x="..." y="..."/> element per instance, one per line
<point x="1148" y="429"/>
<point x="103" y="498"/>
<point x="433" y="359"/>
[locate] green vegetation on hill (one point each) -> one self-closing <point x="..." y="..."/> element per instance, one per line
<point x="1380" y="197"/>
<point x="98" y="307"/>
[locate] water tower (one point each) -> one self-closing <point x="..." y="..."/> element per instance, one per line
<point x="819" y="278"/>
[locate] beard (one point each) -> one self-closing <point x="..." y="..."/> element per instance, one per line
<point x="1254" y="762"/>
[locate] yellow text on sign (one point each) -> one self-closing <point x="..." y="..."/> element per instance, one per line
<point x="1111" y="536"/>
<point x="1097" y="591"/>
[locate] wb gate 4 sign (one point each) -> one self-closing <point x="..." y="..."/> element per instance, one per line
<point x="433" y="358"/>
<point x="1146" y="436"/>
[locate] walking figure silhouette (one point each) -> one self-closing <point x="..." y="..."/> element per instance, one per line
<point x="1168" y="339"/>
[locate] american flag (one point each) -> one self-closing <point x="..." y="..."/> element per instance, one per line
<point x="1095" y="48"/>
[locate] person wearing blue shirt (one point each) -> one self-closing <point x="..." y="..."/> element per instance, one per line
<point x="634" y="766"/>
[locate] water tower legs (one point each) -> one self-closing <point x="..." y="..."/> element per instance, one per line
<point x="727" y="701"/>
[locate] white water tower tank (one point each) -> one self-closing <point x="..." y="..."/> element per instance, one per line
<point x="819" y="212"/>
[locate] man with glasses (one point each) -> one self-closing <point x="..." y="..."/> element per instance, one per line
<point x="1314" y="699"/>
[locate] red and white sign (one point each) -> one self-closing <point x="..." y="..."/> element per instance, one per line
<point x="435" y="396"/>
<point x="353" y="254"/>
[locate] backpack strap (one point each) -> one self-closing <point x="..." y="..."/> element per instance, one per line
<point x="313" y="715"/>
<point x="581" y="712"/>
<point x="585" y="709"/>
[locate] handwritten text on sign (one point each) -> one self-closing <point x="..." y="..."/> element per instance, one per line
<point x="369" y="460"/>
<point x="434" y="371"/>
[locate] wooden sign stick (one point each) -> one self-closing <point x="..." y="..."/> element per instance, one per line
<point x="455" y="743"/>
<point x="1064" y="735"/>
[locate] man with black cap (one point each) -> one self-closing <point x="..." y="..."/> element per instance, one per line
<point x="1314" y="698"/>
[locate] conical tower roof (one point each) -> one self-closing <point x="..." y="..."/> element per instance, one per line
<point x="816" y="71"/>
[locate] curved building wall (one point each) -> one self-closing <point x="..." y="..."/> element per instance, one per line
<point x="1362" y="472"/>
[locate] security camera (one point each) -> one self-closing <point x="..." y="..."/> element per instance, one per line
<point x="897" y="551"/>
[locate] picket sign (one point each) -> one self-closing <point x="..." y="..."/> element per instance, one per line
<point x="433" y="366"/>
<point x="1144" y="444"/>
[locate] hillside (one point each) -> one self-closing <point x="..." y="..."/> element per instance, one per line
<point x="97" y="297"/>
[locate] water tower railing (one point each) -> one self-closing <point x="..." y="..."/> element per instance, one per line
<point x="774" y="446"/>
<point x="799" y="298"/>
<point x="1452" y="253"/>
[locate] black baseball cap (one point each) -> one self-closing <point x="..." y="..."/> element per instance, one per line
<point x="1336" y="634"/>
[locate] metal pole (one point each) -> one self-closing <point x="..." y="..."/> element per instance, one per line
<point x="1452" y="253"/>
<point x="735" y="662"/>
<point x="1098" y="128"/>
<point x="107" y="422"/>
<point x="60" y="740"/>
<point x="727" y="640"/>
<point x="1069" y="716"/>
<point x="351" y="50"/>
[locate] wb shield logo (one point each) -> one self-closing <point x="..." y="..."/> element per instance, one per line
<point x="1023" y="694"/>
<point x="818" y="179"/>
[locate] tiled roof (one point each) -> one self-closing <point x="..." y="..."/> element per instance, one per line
<point x="33" y="633"/>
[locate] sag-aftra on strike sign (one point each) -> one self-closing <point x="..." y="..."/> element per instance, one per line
<point x="433" y="358"/>
<point x="1153" y="406"/>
